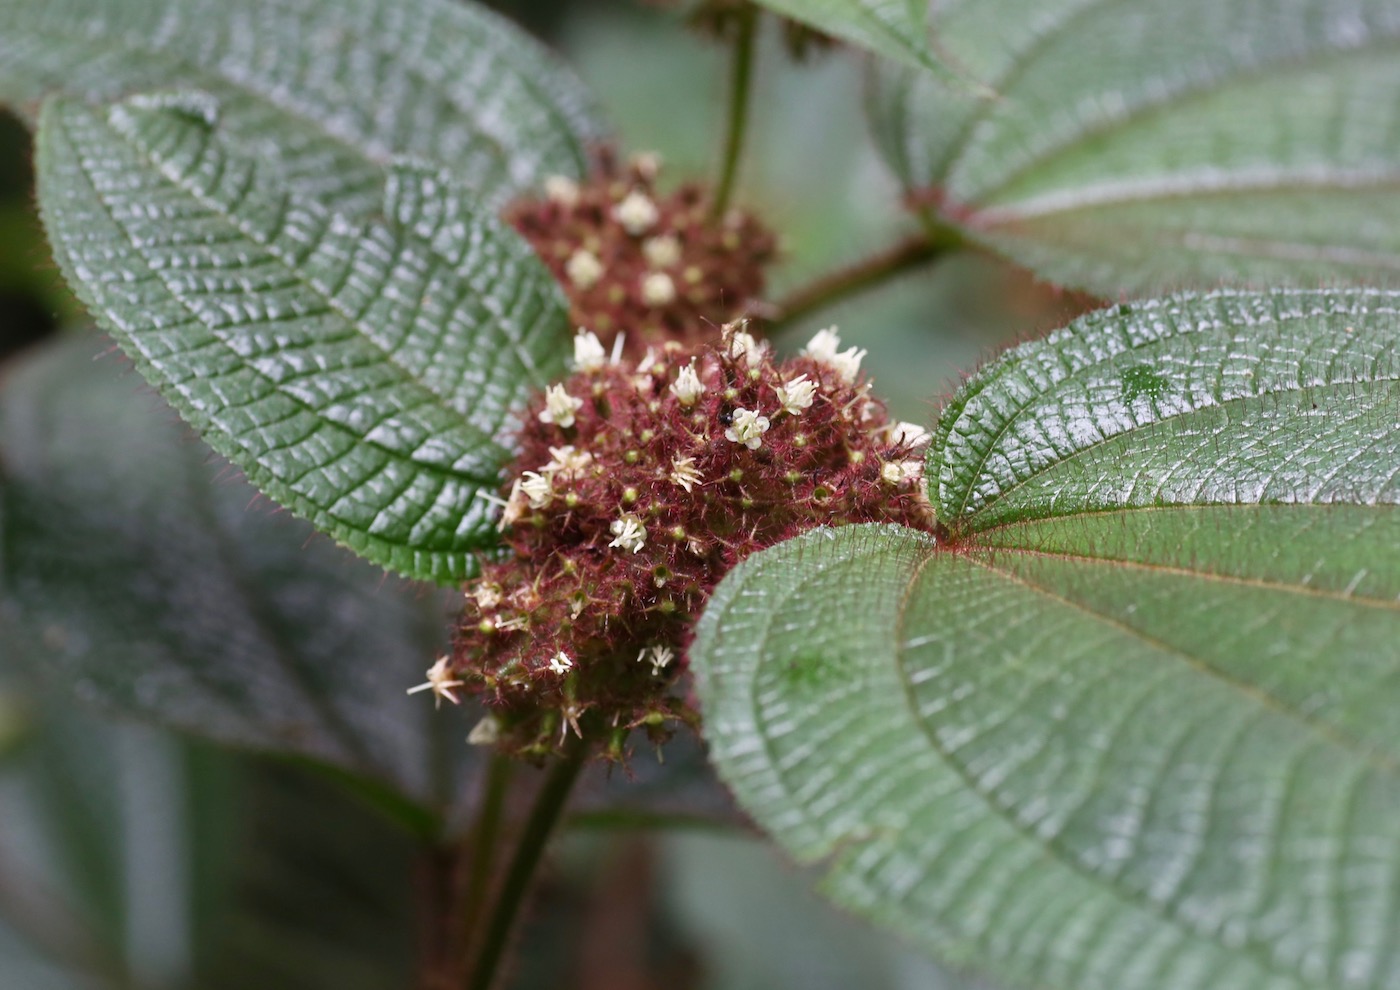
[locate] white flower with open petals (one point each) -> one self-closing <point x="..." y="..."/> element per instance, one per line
<point x="637" y="213"/>
<point x="588" y="351"/>
<point x="630" y="534"/>
<point x="684" y="472"/>
<point x="796" y="395"/>
<point x="900" y="434"/>
<point x="441" y="682"/>
<point x="559" y="407"/>
<point x="566" y="461"/>
<point x="561" y="663"/>
<point x="743" y="344"/>
<point x="748" y="428"/>
<point x="659" y="657"/>
<point x="662" y="252"/>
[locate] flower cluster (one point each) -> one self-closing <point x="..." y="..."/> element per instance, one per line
<point x="639" y="484"/>
<point x="659" y="267"/>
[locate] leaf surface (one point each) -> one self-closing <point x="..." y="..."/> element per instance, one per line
<point x="138" y="575"/>
<point x="1130" y="722"/>
<point x="1133" y="146"/>
<point x="324" y="92"/>
<point x="360" y="374"/>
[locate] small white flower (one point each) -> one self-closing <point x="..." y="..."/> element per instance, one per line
<point x="513" y="509"/>
<point x="630" y="533"/>
<point x="486" y="595"/>
<point x="688" y="387"/>
<point x="658" y="289"/>
<point x="662" y="252"/>
<point x="796" y="395"/>
<point x="512" y="624"/>
<point x="561" y="189"/>
<point x="823" y="348"/>
<point x="748" y="428"/>
<point x="588" y="351"/>
<point x="899" y="473"/>
<point x="683" y="472"/>
<point x="537" y="488"/>
<point x="742" y="343"/>
<point x="567" y="461"/>
<point x="559" y="407"/>
<point x="902" y="434"/>
<point x="486" y="732"/>
<point x="584" y="269"/>
<point x="561" y="663"/>
<point x="636" y="213"/>
<point x="659" y="657"/>
<point x="647" y="164"/>
<point x="440" y="682"/>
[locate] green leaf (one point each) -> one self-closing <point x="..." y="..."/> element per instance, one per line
<point x="1138" y="145"/>
<point x="324" y="92"/>
<point x="137" y="575"/>
<point x="1129" y="722"/>
<point x="896" y="29"/>
<point x="359" y="373"/>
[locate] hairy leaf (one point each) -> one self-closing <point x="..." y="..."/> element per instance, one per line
<point x="324" y="92"/>
<point x="1138" y="145"/>
<point x="1129" y="722"/>
<point x="138" y="575"/>
<point x="360" y="373"/>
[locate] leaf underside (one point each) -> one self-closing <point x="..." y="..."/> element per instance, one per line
<point x="358" y="371"/>
<point x="1132" y="724"/>
<point x="324" y="92"/>
<point x="1135" y="146"/>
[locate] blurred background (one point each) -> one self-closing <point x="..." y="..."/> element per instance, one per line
<point x="133" y="858"/>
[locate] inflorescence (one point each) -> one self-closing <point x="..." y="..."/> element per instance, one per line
<point x="639" y="484"/>
<point x="656" y="266"/>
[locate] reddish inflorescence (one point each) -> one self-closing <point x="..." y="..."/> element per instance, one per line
<point x="656" y="266"/>
<point x="639" y="484"/>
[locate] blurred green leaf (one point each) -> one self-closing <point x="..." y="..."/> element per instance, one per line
<point x="359" y="374"/>
<point x="896" y="29"/>
<point x="137" y="574"/>
<point x="1129" y="723"/>
<point x="323" y="92"/>
<point x="1141" y="145"/>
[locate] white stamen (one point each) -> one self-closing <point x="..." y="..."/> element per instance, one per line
<point x="515" y="506"/>
<point x="659" y="657"/>
<point x="561" y="663"/>
<point x="562" y="190"/>
<point x="486" y="595"/>
<point x="537" y="488"/>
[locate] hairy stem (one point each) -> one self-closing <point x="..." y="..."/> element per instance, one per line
<point x="549" y="805"/>
<point x="741" y="74"/>
<point x="835" y="286"/>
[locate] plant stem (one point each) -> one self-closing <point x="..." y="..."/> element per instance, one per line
<point x="741" y="74"/>
<point x="483" y="839"/>
<point x="549" y="804"/>
<point x="866" y="274"/>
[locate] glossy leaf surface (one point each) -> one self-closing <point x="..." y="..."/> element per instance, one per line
<point x="1132" y="723"/>
<point x="1134" y="146"/>
<point x="359" y="373"/>
<point x="324" y="92"/>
